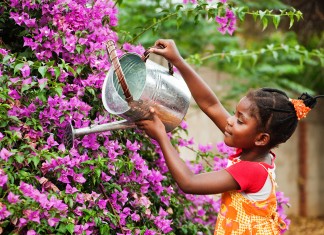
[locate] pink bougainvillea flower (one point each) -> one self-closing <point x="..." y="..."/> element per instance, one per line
<point x="184" y="125"/>
<point x="133" y="146"/>
<point x="14" y="94"/>
<point x="3" y="51"/>
<point x="32" y="215"/>
<point x="134" y="49"/>
<point x="1" y="136"/>
<point x="105" y="177"/>
<point x="27" y="81"/>
<point x="4" y="213"/>
<point x="79" y="178"/>
<point x="102" y="203"/>
<point x="12" y="198"/>
<point x="220" y="163"/>
<point x="3" y="180"/>
<point x="70" y="190"/>
<point x="205" y="148"/>
<point x="224" y="149"/>
<point x="22" y="222"/>
<point x="227" y="23"/>
<point x="25" y="70"/>
<point x="29" y="42"/>
<point x="31" y="232"/>
<point x="5" y="154"/>
<point x="53" y="221"/>
<point x="51" y="142"/>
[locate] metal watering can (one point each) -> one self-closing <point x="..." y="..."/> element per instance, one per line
<point x="133" y="85"/>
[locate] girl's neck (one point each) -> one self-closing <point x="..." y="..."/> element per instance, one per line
<point x="256" y="156"/>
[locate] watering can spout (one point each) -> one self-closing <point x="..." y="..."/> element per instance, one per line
<point x="69" y="133"/>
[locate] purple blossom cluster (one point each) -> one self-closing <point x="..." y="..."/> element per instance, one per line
<point x="226" y="18"/>
<point x="227" y="22"/>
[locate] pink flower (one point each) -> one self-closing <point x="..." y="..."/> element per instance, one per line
<point x="51" y="142"/>
<point x="224" y="149"/>
<point x="29" y="42"/>
<point x="53" y="221"/>
<point x="3" y="52"/>
<point x="70" y="190"/>
<point x="31" y="232"/>
<point x="22" y="222"/>
<point x="184" y="125"/>
<point x="135" y="49"/>
<point x="204" y="148"/>
<point x="79" y="178"/>
<point x="4" y="213"/>
<point x="105" y="177"/>
<point x="5" y="154"/>
<point x="102" y="204"/>
<point x="227" y="22"/>
<point x="32" y="215"/>
<point x="132" y="147"/>
<point x="25" y="70"/>
<point x="3" y="180"/>
<point x="135" y="217"/>
<point x="14" y="94"/>
<point x="12" y="198"/>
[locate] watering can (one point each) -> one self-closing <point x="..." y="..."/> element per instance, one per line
<point x="132" y="85"/>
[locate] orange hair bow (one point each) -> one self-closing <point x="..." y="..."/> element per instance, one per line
<point x="300" y="108"/>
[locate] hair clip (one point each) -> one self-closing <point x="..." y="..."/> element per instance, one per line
<point x="300" y="108"/>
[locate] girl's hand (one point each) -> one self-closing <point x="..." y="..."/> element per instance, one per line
<point x="152" y="126"/>
<point x="169" y="50"/>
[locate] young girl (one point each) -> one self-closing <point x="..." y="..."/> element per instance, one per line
<point x="263" y="119"/>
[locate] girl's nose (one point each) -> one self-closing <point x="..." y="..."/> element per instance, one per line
<point x="230" y="120"/>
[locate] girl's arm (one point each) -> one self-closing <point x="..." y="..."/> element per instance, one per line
<point x="201" y="92"/>
<point x="206" y="183"/>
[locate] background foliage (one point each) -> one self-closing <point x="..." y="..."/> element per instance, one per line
<point x="284" y="51"/>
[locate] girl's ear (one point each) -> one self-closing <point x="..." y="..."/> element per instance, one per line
<point x="262" y="139"/>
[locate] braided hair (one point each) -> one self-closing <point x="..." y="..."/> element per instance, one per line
<point x="276" y="113"/>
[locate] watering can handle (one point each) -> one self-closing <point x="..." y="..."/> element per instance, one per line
<point x="119" y="72"/>
<point x="147" y="54"/>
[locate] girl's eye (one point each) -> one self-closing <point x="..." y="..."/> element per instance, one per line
<point x="239" y="121"/>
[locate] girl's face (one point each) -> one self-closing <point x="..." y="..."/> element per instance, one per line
<point x="241" y="130"/>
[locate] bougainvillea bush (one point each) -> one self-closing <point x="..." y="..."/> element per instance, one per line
<point x="53" y="64"/>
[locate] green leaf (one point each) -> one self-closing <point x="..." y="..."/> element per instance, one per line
<point x="71" y="70"/>
<point x="264" y="23"/>
<point x="18" y="67"/>
<point x="35" y="161"/>
<point x="42" y="70"/>
<point x="57" y="72"/>
<point x="58" y="90"/>
<point x="254" y="59"/>
<point x="19" y="158"/>
<point x="276" y="20"/>
<point x="70" y="228"/>
<point x="104" y="229"/>
<point x="275" y="55"/>
<point x="261" y="14"/>
<point x="43" y="85"/>
<point x="292" y="20"/>
<point x="241" y="14"/>
<point x="97" y="172"/>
